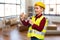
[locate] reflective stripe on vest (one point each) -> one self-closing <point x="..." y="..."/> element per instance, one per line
<point x="33" y="32"/>
<point x="36" y="32"/>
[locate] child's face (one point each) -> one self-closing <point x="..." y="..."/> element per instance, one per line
<point x="38" y="9"/>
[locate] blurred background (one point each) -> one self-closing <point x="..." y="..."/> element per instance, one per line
<point x="11" y="27"/>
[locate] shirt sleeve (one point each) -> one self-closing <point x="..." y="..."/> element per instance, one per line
<point x="25" y="22"/>
<point x="41" y="25"/>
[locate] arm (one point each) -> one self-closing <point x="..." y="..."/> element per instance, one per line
<point x="25" y="23"/>
<point x="41" y="26"/>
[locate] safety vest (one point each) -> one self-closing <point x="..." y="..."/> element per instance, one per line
<point x="36" y="33"/>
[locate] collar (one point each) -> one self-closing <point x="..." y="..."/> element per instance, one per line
<point x="38" y="16"/>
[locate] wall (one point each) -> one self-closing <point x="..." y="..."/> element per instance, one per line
<point x="28" y="3"/>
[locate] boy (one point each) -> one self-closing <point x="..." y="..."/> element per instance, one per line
<point x="37" y="23"/>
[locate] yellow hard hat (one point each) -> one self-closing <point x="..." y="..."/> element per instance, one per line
<point x="41" y="4"/>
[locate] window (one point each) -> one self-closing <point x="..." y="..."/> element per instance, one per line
<point x="23" y="6"/>
<point x="11" y="7"/>
<point x="33" y="1"/>
<point x="52" y="7"/>
<point x="58" y="9"/>
<point x="1" y="0"/>
<point x="18" y="1"/>
<point x="18" y="10"/>
<point x="46" y="1"/>
<point x="52" y="2"/>
<point x="1" y="10"/>
<point x="58" y="1"/>
<point x="10" y="1"/>
<point x="47" y="9"/>
<point x="10" y="10"/>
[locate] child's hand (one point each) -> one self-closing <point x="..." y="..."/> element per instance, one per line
<point x="22" y="16"/>
<point x="31" y="22"/>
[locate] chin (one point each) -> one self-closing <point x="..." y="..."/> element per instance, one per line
<point x="36" y="12"/>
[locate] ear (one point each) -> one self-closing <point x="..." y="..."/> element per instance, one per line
<point x="42" y="9"/>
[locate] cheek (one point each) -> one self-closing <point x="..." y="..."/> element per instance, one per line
<point x="39" y="10"/>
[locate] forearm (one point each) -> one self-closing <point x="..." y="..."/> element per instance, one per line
<point x="25" y="23"/>
<point x="40" y="27"/>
